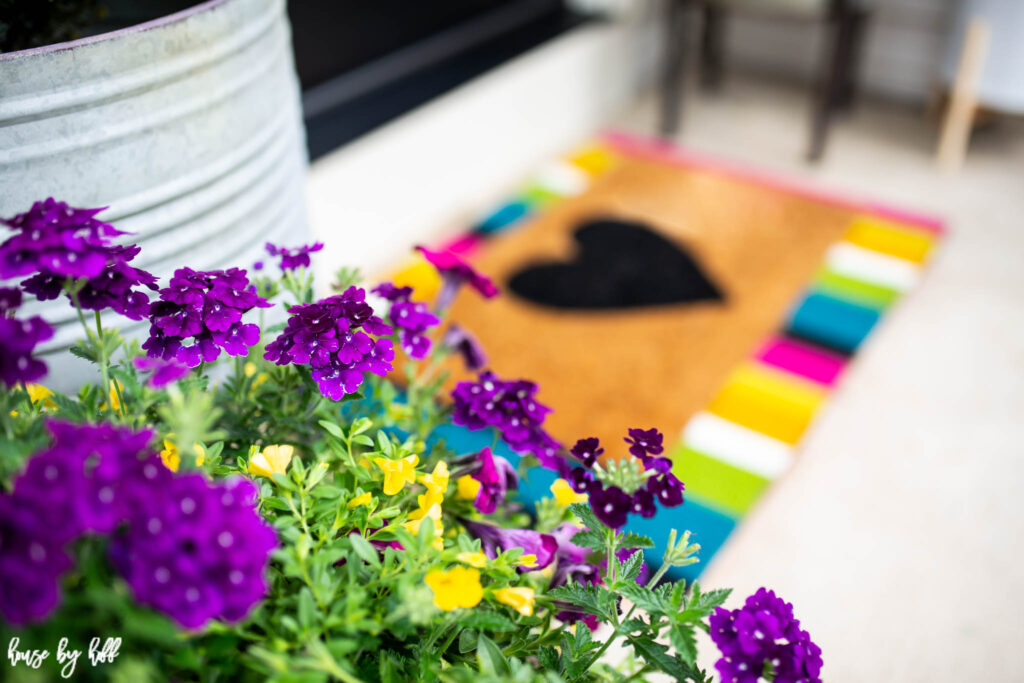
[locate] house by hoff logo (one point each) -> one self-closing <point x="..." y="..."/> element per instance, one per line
<point x="100" y="651"/>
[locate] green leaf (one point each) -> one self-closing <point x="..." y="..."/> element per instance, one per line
<point x="683" y="641"/>
<point x="486" y="621"/>
<point x="587" y="516"/>
<point x="548" y="658"/>
<point x="84" y="352"/>
<point x="306" y="608"/>
<point x="490" y="658"/>
<point x="632" y="567"/>
<point x="467" y="641"/>
<point x="653" y="601"/>
<point x="631" y="540"/>
<point x="595" y="600"/>
<point x="332" y="429"/>
<point x="657" y="656"/>
<point x="590" y="538"/>
<point x="365" y="550"/>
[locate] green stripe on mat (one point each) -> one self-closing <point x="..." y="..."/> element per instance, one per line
<point x="725" y="486"/>
<point x="854" y="290"/>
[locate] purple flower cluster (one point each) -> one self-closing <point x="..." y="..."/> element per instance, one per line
<point x="55" y="238"/>
<point x="764" y="633"/>
<point x="332" y="336"/>
<point x="93" y="479"/>
<point x="114" y="287"/>
<point x="206" y="309"/>
<point x="54" y="242"/>
<point x="18" y="339"/>
<point x="412" y="318"/>
<point x="512" y="408"/>
<point x="293" y="258"/>
<point x="610" y="503"/>
<point x="196" y="551"/>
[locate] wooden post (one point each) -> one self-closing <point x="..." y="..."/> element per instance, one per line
<point x="963" y="101"/>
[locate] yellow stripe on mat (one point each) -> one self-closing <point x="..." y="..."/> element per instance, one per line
<point x="768" y="401"/>
<point x="894" y="239"/>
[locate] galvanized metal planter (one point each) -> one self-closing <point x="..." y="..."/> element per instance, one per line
<point x="188" y="127"/>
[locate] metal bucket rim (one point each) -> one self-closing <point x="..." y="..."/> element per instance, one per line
<point x="150" y="25"/>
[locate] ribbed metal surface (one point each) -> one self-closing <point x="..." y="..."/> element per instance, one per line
<point x="189" y="128"/>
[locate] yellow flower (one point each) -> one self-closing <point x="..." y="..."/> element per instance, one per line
<point x="527" y="560"/>
<point x="478" y="560"/>
<point x="115" y="402"/>
<point x="360" y="500"/>
<point x="438" y="479"/>
<point x="250" y="369"/>
<point x="519" y="599"/>
<point x="397" y="473"/>
<point x="458" y="587"/>
<point x="564" y="495"/>
<point x="468" y="487"/>
<point x="416" y="518"/>
<point x="271" y="460"/>
<point x="172" y="459"/>
<point x="37" y="393"/>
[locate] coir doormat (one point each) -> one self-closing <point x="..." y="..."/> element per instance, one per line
<point x="647" y="287"/>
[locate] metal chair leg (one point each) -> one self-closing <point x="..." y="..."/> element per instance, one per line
<point x="712" y="47"/>
<point x="673" y="66"/>
<point x="836" y="64"/>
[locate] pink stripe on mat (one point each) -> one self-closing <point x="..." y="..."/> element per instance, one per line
<point x="801" y="359"/>
<point x="664" y="151"/>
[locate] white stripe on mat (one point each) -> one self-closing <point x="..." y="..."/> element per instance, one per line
<point x="736" y="445"/>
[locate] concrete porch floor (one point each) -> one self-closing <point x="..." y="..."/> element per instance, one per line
<point x="897" y="535"/>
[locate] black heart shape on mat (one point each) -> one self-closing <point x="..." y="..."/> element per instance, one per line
<point x="620" y="264"/>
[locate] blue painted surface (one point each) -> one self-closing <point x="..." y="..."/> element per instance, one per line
<point x="504" y="217"/>
<point x="708" y="526"/>
<point x="832" y="322"/>
<point x="538" y="481"/>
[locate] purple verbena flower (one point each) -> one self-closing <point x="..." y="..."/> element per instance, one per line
<point x="197" y="550"/>
<point x="512" y="408"/>
<point x="667" y="489"/>
<point x="466" y="345"/>
<point x="114" y="287"/>
<point x="10" y="299"/>
<point x="454" y="273"/>
<point x="587" y="451"/>
<point x="645" y="442"/>
<point x="764" y="633"/>
<point x="496" y="476"/>
<point x="206" y="309"/>
<point x="295" y="257"/>
<point x="412" y="319"/>
<point x="611" y="505"/>
<point x="495" y="540"/>
<point x="164" y="370"/>
<point x="57" y="239"/>
<point x="332" y="336"/>
<point x="18" y="339"/>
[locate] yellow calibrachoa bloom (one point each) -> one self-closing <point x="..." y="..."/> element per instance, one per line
<point x="468" y="487"/>
<point x="37" y="393"/>
<point x="271" y="460"/>
<point x="438" y="479"/>
<point x="478" y="560"/>
<point x="416" y="518"/>
<point x="360" y="500"/>
<point x="115" y="402"/>
<point x="564" y="495"/>
<point x="521" y="599"/>
<point x="250" y="369"/>
<point x="397" y="473"/>
<point x="529" y="560"/>
<point x="172" y="459"/>
<point x="457" y="587"/>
